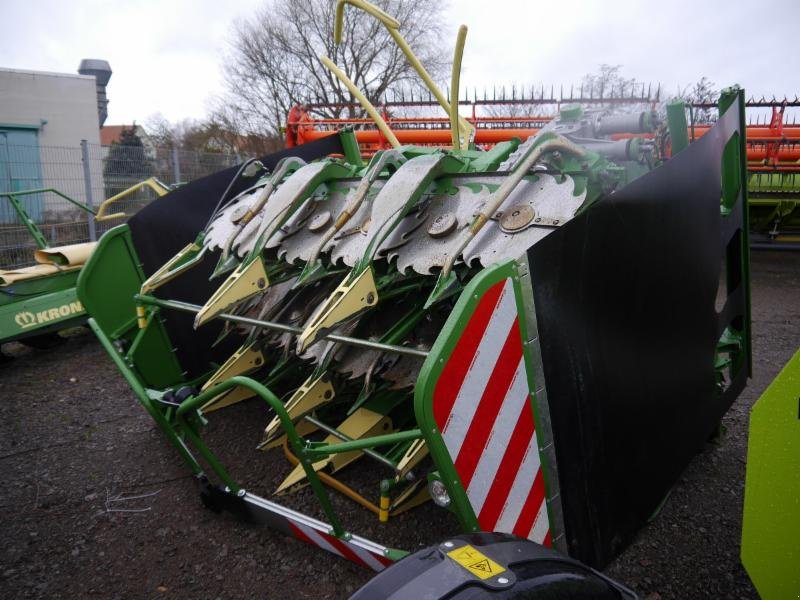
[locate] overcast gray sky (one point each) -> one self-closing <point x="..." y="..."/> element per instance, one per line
<point x="166" y="54"/>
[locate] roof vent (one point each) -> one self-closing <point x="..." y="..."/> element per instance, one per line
<point x="101" y="71"/>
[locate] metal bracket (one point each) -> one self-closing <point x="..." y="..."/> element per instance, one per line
<point x="314" y="392"/>
<point x="249" y="279"/>
<point x="245" y="359"/>
<point x="348" y="300"/>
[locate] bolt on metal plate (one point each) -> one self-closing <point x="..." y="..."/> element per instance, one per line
<point x="443" y="225"/>
<point x="319" y="221"/>
<point x="517" y="218"/>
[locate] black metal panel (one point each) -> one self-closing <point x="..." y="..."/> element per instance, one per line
<point x="162" y="228"/>
<point x="625" y="302"/>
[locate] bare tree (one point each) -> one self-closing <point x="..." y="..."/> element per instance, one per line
<point x="273" y="63"/>
<point x="609" y="82"/>
<point x="701" y="92"/>
<point x="211" y="135"/>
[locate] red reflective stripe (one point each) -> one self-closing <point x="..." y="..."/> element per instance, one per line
<point x="531" y="508"/>
<point x="508" y="470"/>
<point x="455" y="370"/>
<point x="488" y="407"/>
<point x="346" y="551"/>
<point x="300" y="534"/>
<point x="342" y="547"/>
<point x="547" y="542"/>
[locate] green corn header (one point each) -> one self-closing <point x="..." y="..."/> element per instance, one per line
<point x="538" y="337"/>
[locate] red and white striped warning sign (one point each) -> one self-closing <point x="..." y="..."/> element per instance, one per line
<point x="351" y="552"/>
<point x="481" y="404"/>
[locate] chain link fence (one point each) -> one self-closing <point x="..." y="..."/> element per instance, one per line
<point x="88" y="174"/>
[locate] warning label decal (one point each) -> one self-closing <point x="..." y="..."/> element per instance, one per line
<point x="475" y="562"/>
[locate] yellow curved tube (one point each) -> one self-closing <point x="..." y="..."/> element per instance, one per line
<point x="362" y="99"/>
<point x="392" y="26"/>
<point x="367" y="7"/>
<point x="455" y="83"/>
<point x="154" y="184"/>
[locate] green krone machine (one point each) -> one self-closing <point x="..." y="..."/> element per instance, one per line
<point x="538" y="337"/>
<point x="39" y="300"/>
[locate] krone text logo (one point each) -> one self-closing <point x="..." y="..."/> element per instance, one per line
<point x="27" y="319"/>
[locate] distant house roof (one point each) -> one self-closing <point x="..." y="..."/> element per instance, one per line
<point x="112" y="133"/>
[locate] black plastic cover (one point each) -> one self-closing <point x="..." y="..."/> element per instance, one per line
<point x="532" y="571"/>
<point x="162" y="228"/>
<point x="625" y="304"/>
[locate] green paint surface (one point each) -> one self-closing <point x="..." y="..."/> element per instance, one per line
<point x="771" y="528"/>
<point x="50" y="310"/>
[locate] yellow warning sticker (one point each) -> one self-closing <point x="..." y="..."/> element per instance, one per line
<point x="475" y="562"/>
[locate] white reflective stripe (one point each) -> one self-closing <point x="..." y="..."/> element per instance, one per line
<point x="367" y="557"/>
<point x="520" y="490"/>
<point x="540" y="526"/>
<point x="318" y="539"/>
<point x="477" y="378"/>
<point x="497" y="444"/>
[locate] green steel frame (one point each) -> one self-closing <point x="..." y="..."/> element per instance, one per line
<point x="33" y="229"/>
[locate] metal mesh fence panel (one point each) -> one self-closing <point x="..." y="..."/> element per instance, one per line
<point x="89" y="174"/>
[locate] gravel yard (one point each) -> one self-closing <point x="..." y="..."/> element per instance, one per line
<point x="95" y="503"/>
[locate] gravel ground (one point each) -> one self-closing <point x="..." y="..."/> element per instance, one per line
<point x="76" y="450"/>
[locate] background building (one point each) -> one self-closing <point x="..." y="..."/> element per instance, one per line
<point x="43" y="118"/>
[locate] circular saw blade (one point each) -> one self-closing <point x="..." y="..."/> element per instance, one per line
<point x="552" y="202"/>
<point x="356" y="362"/>
<point x="404" y="372"/>
<point x="299" y="245"/>
<point x="223" y="224"/>
<point x="350" y="243"/>
<point x="425" y="251"/>
<point x="297" y="221"/>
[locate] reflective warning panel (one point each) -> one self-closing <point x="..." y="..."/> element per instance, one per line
<point x="476" y="562"/>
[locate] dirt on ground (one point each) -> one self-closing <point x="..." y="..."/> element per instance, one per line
<point x="94" y="502"/>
